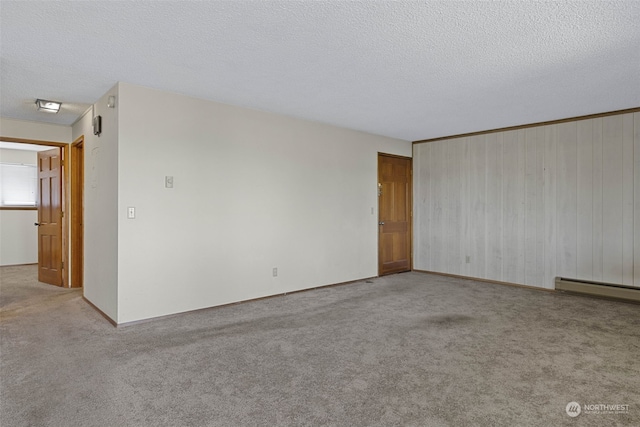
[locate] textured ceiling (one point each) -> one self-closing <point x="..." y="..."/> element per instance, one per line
<point x="407" y="69"/>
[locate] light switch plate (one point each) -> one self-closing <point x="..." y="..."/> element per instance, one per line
<point x="168" y="181"/>
<point x="131" y="213"/>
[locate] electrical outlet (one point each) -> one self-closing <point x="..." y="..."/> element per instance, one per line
<point x="275" y="271"/>
<point x="168" y="181"/>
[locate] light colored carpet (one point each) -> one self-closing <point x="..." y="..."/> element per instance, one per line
<point x="408" y="349"/>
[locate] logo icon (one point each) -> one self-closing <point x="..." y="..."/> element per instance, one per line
<point x="573" y="409"/>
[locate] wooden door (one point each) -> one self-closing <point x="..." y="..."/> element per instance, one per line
<point x="77" y="212"/>
<point x="394" y="207"/>
<point x="50" y="217"/>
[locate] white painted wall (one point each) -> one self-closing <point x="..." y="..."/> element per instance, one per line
<point x="532" y="204"/>
<point x="34" y="130"/>
<point x="252" y="191"/>
<point x="18" y="236"/>
<point x="100" y="206"/>
<point x="25" y="157"/>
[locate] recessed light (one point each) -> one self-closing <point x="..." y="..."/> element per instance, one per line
<point x="48" y="106"/>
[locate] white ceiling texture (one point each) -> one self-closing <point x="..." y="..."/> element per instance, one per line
<point x="406" y="69"/>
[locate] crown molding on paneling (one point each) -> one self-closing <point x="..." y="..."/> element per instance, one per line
<point x="551" y="122"/>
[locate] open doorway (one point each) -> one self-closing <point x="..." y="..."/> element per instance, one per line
<point x="68" y="250"/>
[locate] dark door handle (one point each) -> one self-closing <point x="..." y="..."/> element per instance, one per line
<point x="37" y="223"/>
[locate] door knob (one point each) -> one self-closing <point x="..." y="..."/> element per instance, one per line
<point x="37" y="223"/>
<point x="381" y="223"/>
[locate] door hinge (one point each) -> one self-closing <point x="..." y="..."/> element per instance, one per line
<point x="62" y="265"/>
<point x="61" y="162"/>
<point x="61" y="214"/>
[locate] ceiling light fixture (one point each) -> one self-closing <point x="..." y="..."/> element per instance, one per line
<point x="48" y="106"/>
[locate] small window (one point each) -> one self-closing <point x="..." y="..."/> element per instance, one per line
<point x="18" y="185"/>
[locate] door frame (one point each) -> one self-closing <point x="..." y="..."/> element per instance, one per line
<point x="381" y="154"/>
<point x="77" y="213"/>
<point x="65" y="198"/>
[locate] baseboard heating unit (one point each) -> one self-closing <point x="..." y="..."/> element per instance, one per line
<point x="605" y="290"/>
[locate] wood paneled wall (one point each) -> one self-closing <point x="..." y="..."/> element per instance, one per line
<point x="527" y="205"/>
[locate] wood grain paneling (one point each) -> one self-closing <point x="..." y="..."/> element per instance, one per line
<point x="612" y="199"/>
<point x="527" y="205"/>
<point x="584" y="198"/>
<point x="533" y="199"/>
<point x="476" y="210"/>
<point x="636" y="196"/>
<point x="493" y="208"/>
<point x="567" y="190"/>
<point x="627" y="198"/>
<point x="549" y="206"/>
<point x="512" y="210"/>
<point x="453" y="217"/>
<point x="437" y="237"/>
<point x="597" y="190"/>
